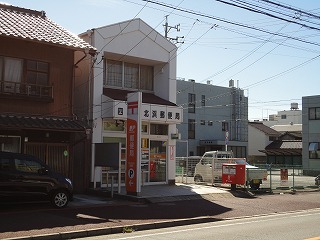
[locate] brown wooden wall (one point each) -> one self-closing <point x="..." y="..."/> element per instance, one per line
<point x="61" y="61"/>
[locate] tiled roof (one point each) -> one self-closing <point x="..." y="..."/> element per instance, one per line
<point x="40" y="123"/>
<point x="265" y="129"/>
<point x="284" y="147"/>
<point x="285" y="144"/>
<point x="121" y="95"/>
<point x="34" y="25"/>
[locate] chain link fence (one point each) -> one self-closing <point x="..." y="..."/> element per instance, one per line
<point x="280" y="177"/>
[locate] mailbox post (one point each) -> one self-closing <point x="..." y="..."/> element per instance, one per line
<point x="233" y="174"/>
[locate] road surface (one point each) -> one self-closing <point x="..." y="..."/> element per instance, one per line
<point x="281" y="226"/>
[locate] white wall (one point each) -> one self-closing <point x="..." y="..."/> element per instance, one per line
<point x="257" y="141"/>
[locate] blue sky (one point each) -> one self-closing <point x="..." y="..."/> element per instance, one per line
<point x="276" y="62"/>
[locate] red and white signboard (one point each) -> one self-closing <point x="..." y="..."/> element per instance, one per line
<point x="133" y="162"/>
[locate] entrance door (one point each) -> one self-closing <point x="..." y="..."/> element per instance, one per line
<point x="158" y="163"/>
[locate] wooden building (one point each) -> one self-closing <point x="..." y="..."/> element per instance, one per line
<point x="37" y="66"/>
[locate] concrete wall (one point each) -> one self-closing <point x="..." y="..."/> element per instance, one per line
<point x="310" y="132"/>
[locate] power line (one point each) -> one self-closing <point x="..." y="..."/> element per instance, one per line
<point x="230" y="22"/>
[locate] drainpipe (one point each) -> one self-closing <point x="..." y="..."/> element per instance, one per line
<point x="86" y="51"/>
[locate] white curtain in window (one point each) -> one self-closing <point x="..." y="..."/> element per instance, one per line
<point x="12" y="70"/>
<point x="131" y="75"/>
<point x="12" y="73"/>
<point x="114" y="73"/>
<point x="146" y="77"/>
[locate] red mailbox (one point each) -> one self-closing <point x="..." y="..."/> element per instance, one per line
<point x="234" y="173"/>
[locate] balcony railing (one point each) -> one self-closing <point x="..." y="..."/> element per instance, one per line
<point x="17" y="89"/>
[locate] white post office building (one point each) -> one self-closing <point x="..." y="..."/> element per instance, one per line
<point x="131" y="58"/>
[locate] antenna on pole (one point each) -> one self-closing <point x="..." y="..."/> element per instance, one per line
<point x="167" y="28"/>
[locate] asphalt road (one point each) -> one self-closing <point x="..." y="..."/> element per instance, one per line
<point x="282" y="226"/>
<point x="40" y="219"/>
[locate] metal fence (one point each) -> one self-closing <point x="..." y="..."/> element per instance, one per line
<point x="280" y="177"/>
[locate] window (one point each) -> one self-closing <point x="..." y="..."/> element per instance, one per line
<point x="11" y="73"/>
<point x="37" y="75"/>
<point x="144" y="128"/>
<point x="27" y="77"/>
<point x="314" y="113"/>
<point x="284" y="116"/>
<point x="129" y="75"/>
<point x="203" y="100"/>
<point x="114" y="125"/>
<point x="158" y="129"/>
<point x="27" y="166"/>
<point x="191" y="103"/>
<point x="203" y="122"/>
<point x="225" y="126"/>
<point x="210" y="123"/>
<point x="146" y="77"/>
<point x="37" y="72"/>
<point x="314" y="150"/>
<point x="191" y="129"/>
<point x="5" y="164"/>
<point x="114" y="73"/>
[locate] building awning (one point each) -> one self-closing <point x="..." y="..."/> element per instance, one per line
<point x="8" y="122"/>
<point x="313" y="147"/>
<point x="121" y="94"/>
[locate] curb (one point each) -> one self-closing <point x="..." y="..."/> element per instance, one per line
<point x="118" y="229"/>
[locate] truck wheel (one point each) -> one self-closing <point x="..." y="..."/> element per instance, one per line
<point x="198" y="179"/>
<point x="254" y="186"/>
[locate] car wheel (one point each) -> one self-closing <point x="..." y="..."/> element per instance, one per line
<point x="60" y="199"/>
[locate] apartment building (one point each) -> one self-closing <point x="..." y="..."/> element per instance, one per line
<point x="214" y="118"/>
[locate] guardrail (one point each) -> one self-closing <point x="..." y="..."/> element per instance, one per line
<point x="25" y="89"/>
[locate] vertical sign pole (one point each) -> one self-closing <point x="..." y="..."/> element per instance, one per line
<point x="227" y="140"/>
<point x="133" y="148"/>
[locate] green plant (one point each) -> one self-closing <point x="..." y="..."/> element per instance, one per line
<point x="127" y="230"/>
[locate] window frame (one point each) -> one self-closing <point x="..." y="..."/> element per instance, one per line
<point x="37" y="71"/>
<point x="121" y="74"/>
<point x="225" y="126"/>
<point x="314" y="154"/>
<point x="191" y="103"/>
<point x="203" y="100"/>
<point x="314" y="113"/>
<point x="191" y="128"/>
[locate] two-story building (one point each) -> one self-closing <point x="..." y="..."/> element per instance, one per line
<point x="311" y="134"/>
<point x="132" y="58"/>
<point x="36" y="92"/>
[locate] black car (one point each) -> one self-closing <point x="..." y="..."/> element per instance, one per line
<point x="26" y="177"/>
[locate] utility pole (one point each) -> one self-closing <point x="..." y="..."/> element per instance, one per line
<point x="167" y="28"/>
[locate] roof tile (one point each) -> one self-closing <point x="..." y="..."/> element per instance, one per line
<point x="34" y="25"/>
<point x="41" y="123"/>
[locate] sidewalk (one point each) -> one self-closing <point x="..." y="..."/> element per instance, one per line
<point x="90" y="215"/>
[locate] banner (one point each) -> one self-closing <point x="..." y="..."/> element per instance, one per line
<point x="133" y="148"/>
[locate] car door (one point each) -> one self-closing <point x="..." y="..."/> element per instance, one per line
<point x="7" y="178"/>
<point x="206" y="167"/>
<point x="32" y="179"/>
